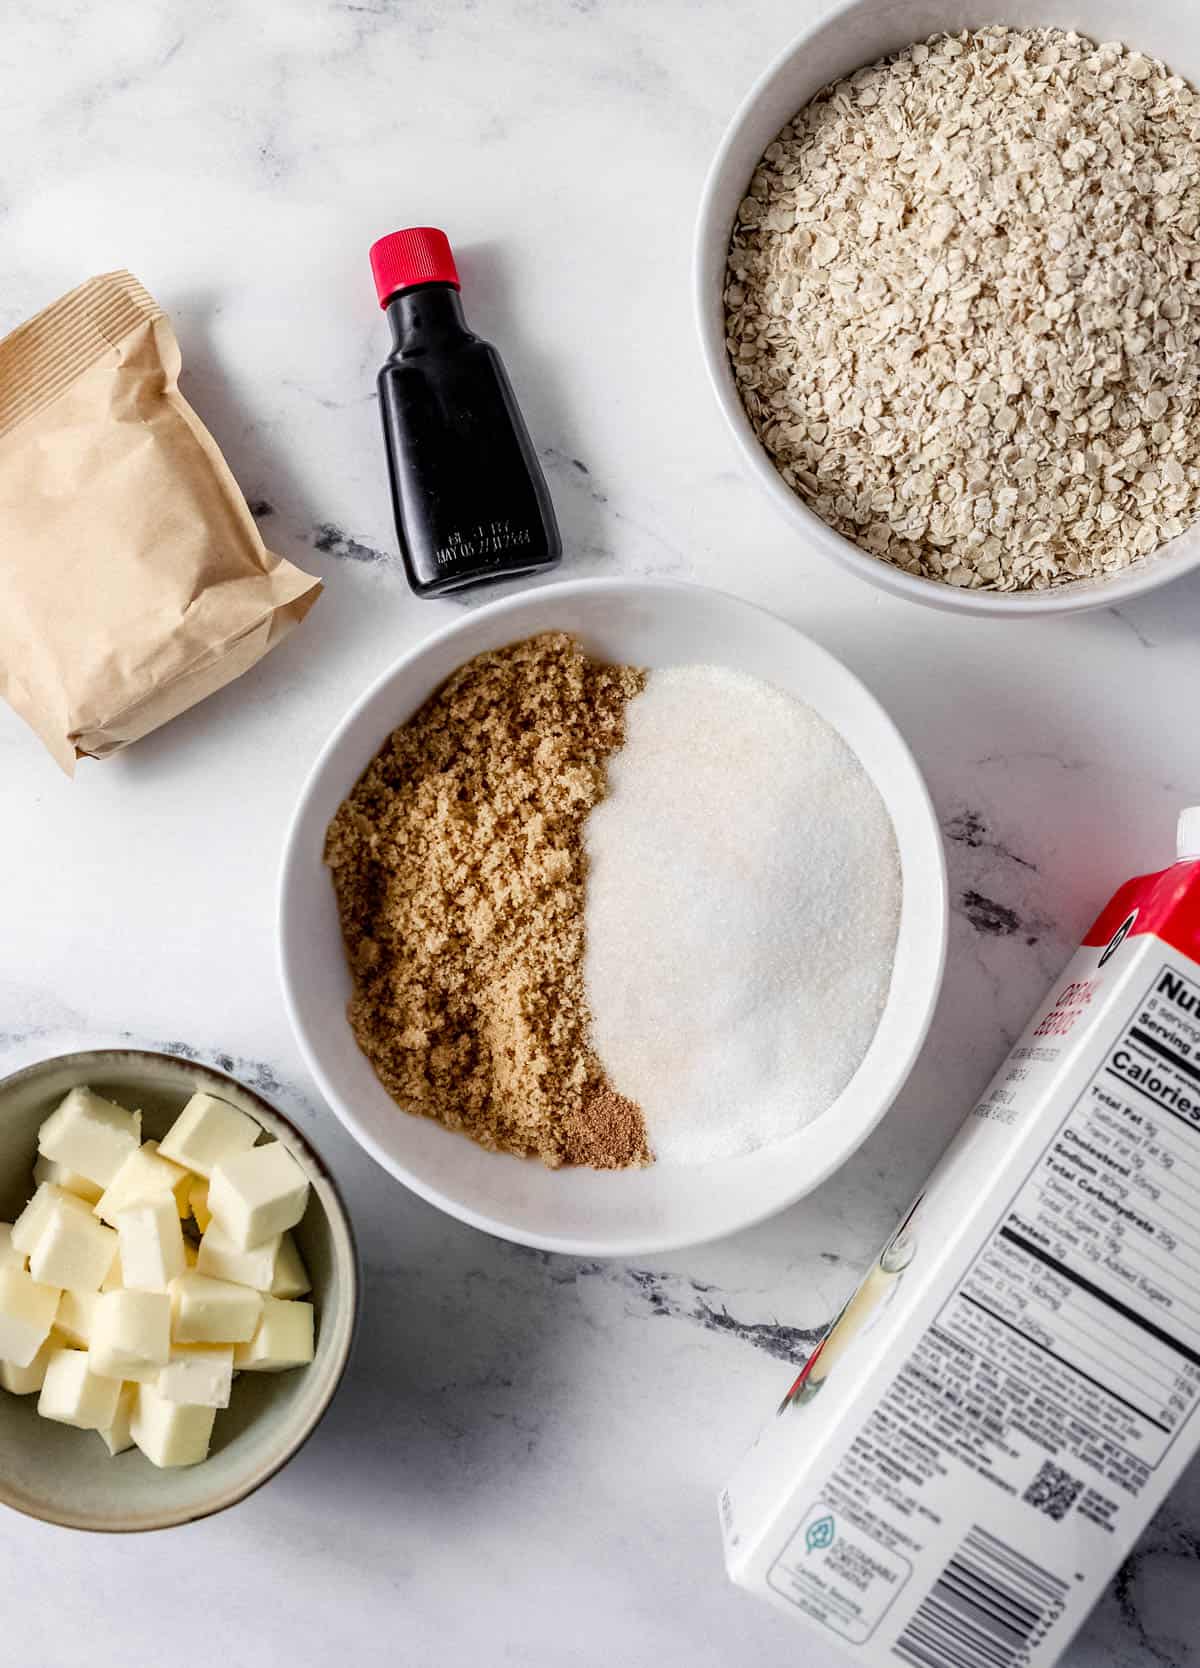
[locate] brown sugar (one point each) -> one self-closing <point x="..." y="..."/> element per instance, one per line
<point x="460" y="871"/>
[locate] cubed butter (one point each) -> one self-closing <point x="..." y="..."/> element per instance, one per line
<point x="27" y="1311"/>
<point x="118" y="1437"/>
<point x="131" y="1335"/>
<point x="23" y="1381"/>
<point x="8" y="1251"/>
<point x="28" y="1227"/>
<point x="207" y="1131"/>
<point x="114" y="1281"/>
<point x="291" y="1276"/>
<point x="76" y="1311"/>
<point x="144" y="1175"/>
<point x="90" y="1135"/>
<point x="220" y="1257"/>
<point x="151" y="1244"/>
<point x="284" y="1338"/>
<point x="170" y="1433"/>
<point x="258" y="1194"/>
<point x="199" y="1375"/>
<point x="73" y="1250"/>
<point x="208" y="1311"/>
<point x="198" y="1200"/>
<point x="74" y="1395"/>
<point x="47" y="1170"/>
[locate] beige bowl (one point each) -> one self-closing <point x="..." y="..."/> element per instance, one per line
<point x="66" y="1476"/>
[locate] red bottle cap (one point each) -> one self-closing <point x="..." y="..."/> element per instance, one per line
<point x="417" y="255"/>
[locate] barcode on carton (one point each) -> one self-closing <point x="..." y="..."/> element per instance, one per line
<point x="989" y="1607"/>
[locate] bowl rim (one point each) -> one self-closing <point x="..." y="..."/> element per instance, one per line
<point x="348" y="1265"/>
<point x="580" y="1244"/>
<point x="713" y="233"/>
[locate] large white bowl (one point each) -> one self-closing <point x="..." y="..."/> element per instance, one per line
<point x="583" y="1211"/>
<point x="852" y="35"/>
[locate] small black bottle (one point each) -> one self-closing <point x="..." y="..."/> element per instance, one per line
<point x="470" y="498"/>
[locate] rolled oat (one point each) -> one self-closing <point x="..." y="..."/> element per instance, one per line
<point x="963" y="307"/>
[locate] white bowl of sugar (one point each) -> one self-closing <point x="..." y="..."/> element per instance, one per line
<point x="704" y="1184"/>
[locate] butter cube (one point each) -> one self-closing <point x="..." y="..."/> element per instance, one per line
<point x="27" y="1229"/>
<point x="114" y="1280"/>
<point x="46" y="1170"/>
<point x="291" y="1276"/>
<point x="118" y="1437"/>
<point x="258" y="1194"/>
<point x="224" y="1260"/>
<point x="144" y="1175"/>
<point x="208" y="1311"/>
<point x="199" y="1375"/>
<point x="170" y="1433"/>
<point x="74" y="1395"/>
<point x="198" y="1199"/>
<point x="207" y="1131"/>
<point x="27" y="1311"/>
<point x="73" y="1322"/>
<point x="90" y="1135"/>
<point x="73" y="1250"/>
<point x="151" y="1244"/>
<point x="284" y="1338"/>
<point x="8" y="1251"/>
<point x="23" y="1381"/>
<point x="131" y="1335"/>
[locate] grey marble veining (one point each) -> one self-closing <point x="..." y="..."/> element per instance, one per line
<point x="523" y="1465"/>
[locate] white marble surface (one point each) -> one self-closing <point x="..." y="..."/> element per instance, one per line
<point x="522" y="1468"/>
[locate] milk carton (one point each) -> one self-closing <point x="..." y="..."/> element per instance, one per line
<point x="1011" y="1392"/>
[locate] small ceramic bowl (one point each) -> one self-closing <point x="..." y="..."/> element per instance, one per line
<point x="630" y="1212"/>
<point x="851" y="35"/>
<point x="67" y="1476"/>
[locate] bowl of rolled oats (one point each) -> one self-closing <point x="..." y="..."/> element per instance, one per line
<point x="948" y="291"/>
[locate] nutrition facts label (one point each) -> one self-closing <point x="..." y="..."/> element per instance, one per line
<point x="1089" y="1288"/>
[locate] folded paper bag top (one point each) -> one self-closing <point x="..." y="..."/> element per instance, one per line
<point x="133" y="579"/>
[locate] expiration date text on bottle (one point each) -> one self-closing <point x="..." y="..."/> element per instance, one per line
<point x="489" y="538"/>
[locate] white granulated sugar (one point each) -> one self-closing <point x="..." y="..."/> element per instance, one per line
<point x="742" y="907"/>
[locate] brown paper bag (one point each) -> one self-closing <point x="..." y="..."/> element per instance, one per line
<point x="133" y="580"/>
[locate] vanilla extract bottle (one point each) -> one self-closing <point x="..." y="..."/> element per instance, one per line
<point x="469" y="496"/>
